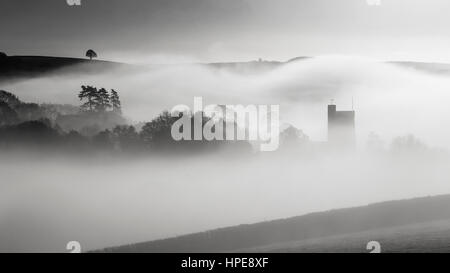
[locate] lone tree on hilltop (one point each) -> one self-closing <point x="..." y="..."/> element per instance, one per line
<point x="91" y="54"/>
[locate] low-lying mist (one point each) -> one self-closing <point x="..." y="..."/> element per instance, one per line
<point x="47" y="201"/>
<point x="390" y="100"/>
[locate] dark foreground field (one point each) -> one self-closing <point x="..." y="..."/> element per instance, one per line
<point x="420" y="238"/>
<point x="415" y="225"/>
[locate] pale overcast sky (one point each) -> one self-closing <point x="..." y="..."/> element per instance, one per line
<point x="227" y="30"/>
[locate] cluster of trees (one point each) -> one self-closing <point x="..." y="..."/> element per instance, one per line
<point x="155" y="136"/>
<point x="28" y="125"/>
<point x="38" y="133"/>
<point x="100" y="110"/>
<point x="99" y="100"/>
<point x="13" y="110"/>
<point x="100" y="126"/>
<point x="405" y="145"/>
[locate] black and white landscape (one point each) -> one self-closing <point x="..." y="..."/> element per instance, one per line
<point x="87" y="154"/>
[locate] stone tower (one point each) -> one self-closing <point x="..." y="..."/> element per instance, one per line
<point x="341" y="128"/>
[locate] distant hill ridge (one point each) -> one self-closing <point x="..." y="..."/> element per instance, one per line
<point x="13" y="67"/>
<point x="314" y="225"/>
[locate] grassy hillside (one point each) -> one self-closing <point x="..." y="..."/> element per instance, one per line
<point x="34" y="66"/>
<point x="307" y="227"/>
<point x="430" y="237"/>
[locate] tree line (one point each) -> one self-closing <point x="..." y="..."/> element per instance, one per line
<point x="29" y="124"/>
<point x="99" y="100"/>
<point x="41" y="130"/>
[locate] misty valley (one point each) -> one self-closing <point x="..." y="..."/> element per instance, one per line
<point x="90" y="157"/>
